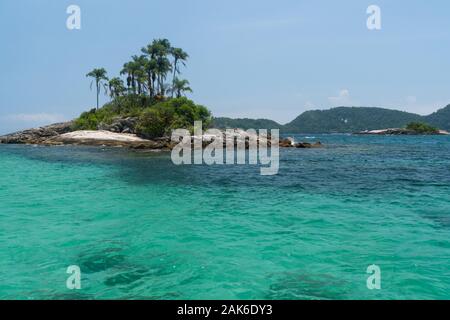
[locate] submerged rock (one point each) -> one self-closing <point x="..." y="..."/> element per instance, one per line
<point x="287" y="143"/>
<point x="307" y="145"/>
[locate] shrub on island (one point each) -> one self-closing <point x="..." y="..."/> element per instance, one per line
<point x="422" y="128"/>
<point x="160" y="119"/>
<point x="154" y="119"/>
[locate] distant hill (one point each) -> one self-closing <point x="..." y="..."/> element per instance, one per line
<point x="245" y="123"/>
<point x="342" y="120"/>
<point x="349" y="119"/>
<point x="440" y="118"/>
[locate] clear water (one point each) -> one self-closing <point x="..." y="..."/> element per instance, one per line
<point x="141" y="228"/>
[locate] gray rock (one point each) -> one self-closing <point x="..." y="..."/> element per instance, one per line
<point x="38" y="135"/>
<point x="120" y="125"/>
<point x="307" y="145"/>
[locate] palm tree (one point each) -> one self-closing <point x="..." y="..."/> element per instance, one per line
<point x="141" y="79"/>
<point x="116" y="87"/>
<point x="152" y="50"/>
<point x="138" y="71"/>
<point x="100" y="78"/>
<point x="150" y="68"/>
<point x="178" y="56"/>
<point x="179" y="87"/>
<point x="158" y="64"/>
<point x="147" y="73"/>
<point x="162" y="46"/>
<point x="131" y="70"/>
<point x="163" y="66"/>
<point x="158" y="48"/>
<point x="127" y="69"/>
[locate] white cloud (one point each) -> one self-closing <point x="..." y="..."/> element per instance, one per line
<point x="342" y="99"/>
<point x="34" y="117"/>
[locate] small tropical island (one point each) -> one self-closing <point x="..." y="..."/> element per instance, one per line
<point x="143" y="110"/>
<point x="412" y="128"/>
<point x="148" y="100"/>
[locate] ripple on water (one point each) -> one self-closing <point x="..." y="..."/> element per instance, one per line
<point x="301" y="285"/>
<point x="187" y="232"/>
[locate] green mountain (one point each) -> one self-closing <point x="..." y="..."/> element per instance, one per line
<point x="228" y="123"/>
<point x="342" y="120"/>
<point x="440" y="118"/>
<point x="349" y="119"/>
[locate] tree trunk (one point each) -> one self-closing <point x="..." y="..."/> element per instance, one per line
<point x="98" y="91"/>
<point x="174" y="74"/>
<point x="133" y="84"/>
<point x="150" y="89"/>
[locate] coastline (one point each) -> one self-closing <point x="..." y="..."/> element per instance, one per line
<point x="62" y="134"/>
<point x="401" y="131"/>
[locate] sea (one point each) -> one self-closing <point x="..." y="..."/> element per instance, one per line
<point x="139" y="227"/>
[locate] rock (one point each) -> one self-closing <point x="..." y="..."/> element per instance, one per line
<point x="105" y="138"/>
<point x="120" y="133"/>
<point x="38" y="135"/>
<point x="307" y="145"/>
<point x="399" y="131"/>
<point x="287" y="143"/>
<point x="120" y="125"/>
<point x="303" y="145"/>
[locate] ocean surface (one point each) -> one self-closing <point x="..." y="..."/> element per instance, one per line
<point x="140" y="227"/>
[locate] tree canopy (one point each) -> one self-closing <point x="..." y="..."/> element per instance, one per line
<point x="146" y="74"/>
<point x="142" y="91"/>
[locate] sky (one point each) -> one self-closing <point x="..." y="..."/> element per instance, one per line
<point x="248" y="58"/>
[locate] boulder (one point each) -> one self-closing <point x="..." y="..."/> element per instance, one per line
<point x="307" y="145"/>
<point x="106" y="138"/>
<point x="120" y="125"/>
<point x="38" y="135"/>
<point x="287" y="143"/>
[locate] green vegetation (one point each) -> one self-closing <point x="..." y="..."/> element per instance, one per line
<point x="100" y="78"/>
<point x="152" y="91"/>
<point x="116" y="88"/>
<point x="228" y="123"/>
<point x="158" y="106"/>
<point x="179" y="86"/>
<point x="160" y="119"/>
<point x="349" y="119"/>
<point x="342" y="120"/>
<point x="440" y="118"/>
<point x="420" y="127"/>
<point x="355" y="119"/>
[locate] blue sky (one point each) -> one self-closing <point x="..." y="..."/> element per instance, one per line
<point x="253" y="58"/>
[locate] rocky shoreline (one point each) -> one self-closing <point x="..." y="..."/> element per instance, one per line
<point x="400" y="131"/>
<point x="118" y="134"/>
<point x="37" y="135"/>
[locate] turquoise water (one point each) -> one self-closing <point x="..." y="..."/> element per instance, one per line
<point x="141" y="228"/>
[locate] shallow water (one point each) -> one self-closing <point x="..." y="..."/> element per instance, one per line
<point x="140" y="227"/>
